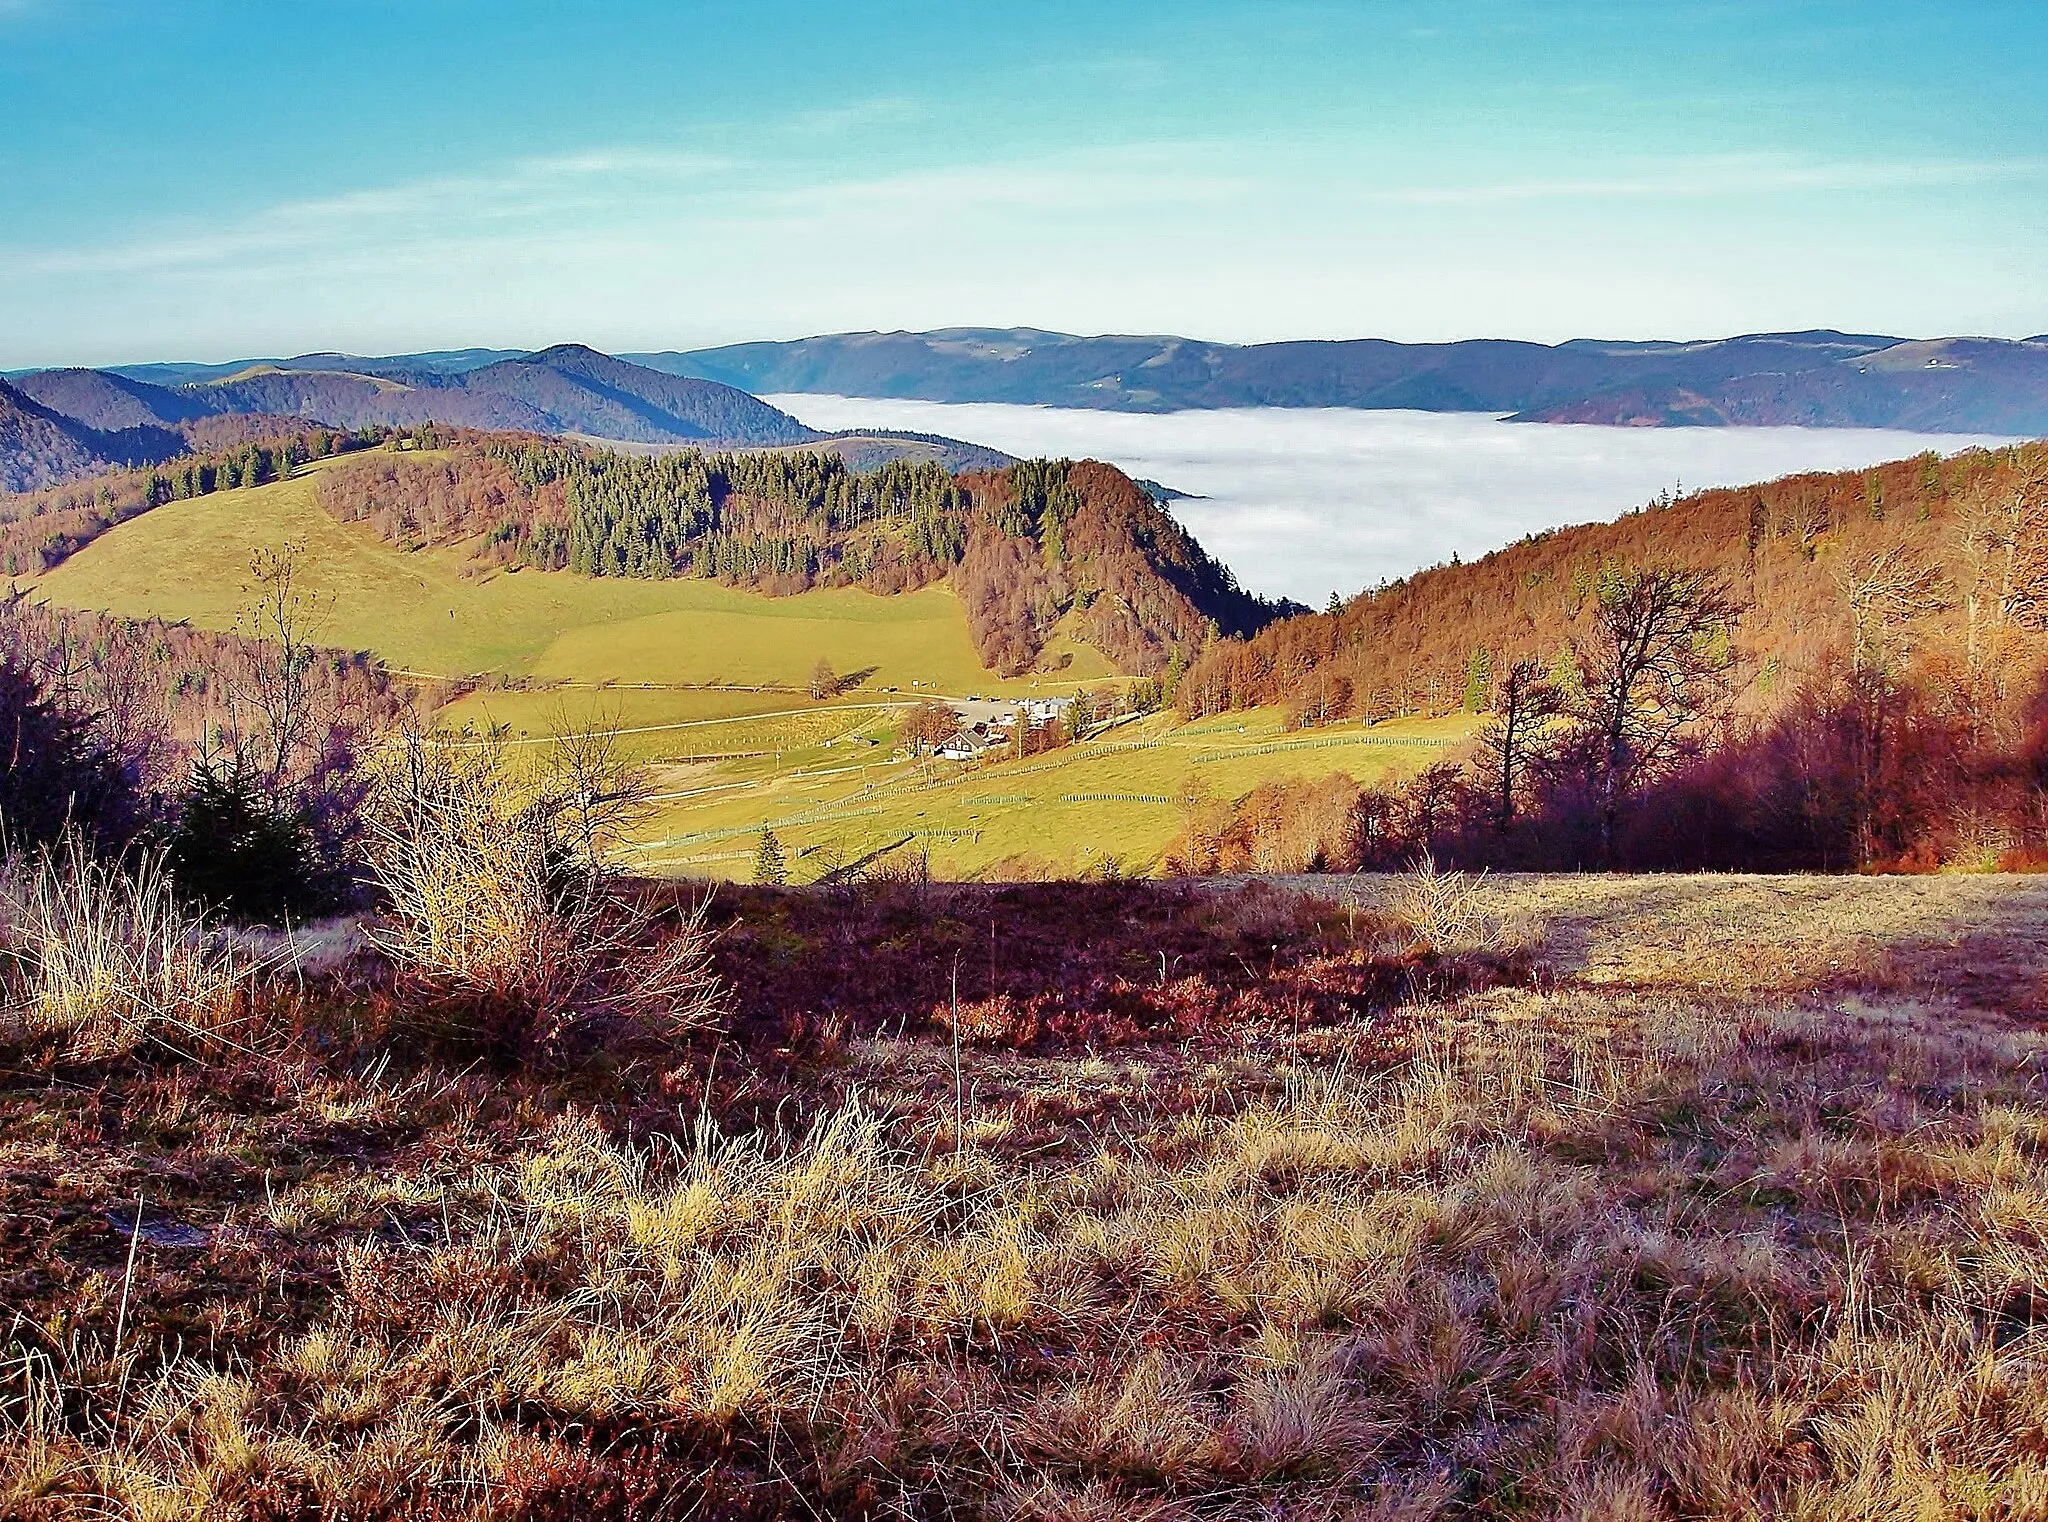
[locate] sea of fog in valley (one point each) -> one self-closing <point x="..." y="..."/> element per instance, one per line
<point x="1303" y="502"/>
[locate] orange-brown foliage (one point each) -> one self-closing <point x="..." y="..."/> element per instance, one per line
<point x="1786" y="549"/>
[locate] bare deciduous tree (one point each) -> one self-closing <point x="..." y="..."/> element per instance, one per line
<point x="108" y="679"/>
<point x="1321" y="697"/>
<point x="1886" y="590"/>
<point x="1523" y="706"/>
<point x="928" y="726"/>
<point x="1654" y="668"/>
<point x="597" y="793"/>
<point x="2003" y="533"/>
<point x="271" y="733"/>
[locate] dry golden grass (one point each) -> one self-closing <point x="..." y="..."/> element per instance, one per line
<point x="1622" y="1245"/>
<point x="503" y="926"/>
<point x="99" y="959"/>
<point x="1971" y="936"/>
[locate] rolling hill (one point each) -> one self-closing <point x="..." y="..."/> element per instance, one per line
<point x="1814" y="379"/>
<point x="106" y="401"/>
<point x="1041" y="555"/>
<point x="398" y="366"/>
<point x="432" y="611"/>
<point x="568" y="389"/>
<point x="40" y="446"/>
<point x="578" y="390"/>
<point x="1029" y="548"/>
<point x="1971" y="531"/>
<point x="710" y="397"/>
<point x="57" y="417"/>
<point x="706" y="679"/>
<point x="687" y="596"/>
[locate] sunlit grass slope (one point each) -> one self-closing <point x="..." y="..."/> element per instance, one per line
<point x="1120" y="799"/>
<point x="431" y="612"/>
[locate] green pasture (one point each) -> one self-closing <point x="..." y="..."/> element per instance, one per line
<point x="1119" y="797"/>
<point x="436" y="612"/>
<point x="676" y="726"/>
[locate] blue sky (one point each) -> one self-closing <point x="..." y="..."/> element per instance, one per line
<point x="202" y="179"/>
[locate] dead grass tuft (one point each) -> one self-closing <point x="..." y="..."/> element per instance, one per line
<point x="1446" y="913"/>
<point x="102" y="959"/>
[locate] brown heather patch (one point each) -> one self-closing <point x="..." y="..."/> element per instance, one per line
<point x="1599" y="1240"/>
<point x="1074" y="966"/>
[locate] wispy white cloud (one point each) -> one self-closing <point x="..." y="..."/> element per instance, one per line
<point x="881" y="111"/>
<point x="840" y="220"/>
<point x="653" y="192"/>
<point x="1090" y="179"/>
<point x="439" y="207"/>
<point x="1686" y="178"/>
<point x="657" y="190"/>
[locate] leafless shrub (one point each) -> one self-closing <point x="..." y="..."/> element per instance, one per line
<point x="103" y="958"/>
<point x="504" y="923"/>
<point x="1446" y="911"/>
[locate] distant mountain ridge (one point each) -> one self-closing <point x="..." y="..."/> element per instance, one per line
<point x="56" y="425"/>
<point x="40" y="445"/>
<point x="401" y="366"/>
<point x="1818" y="379"/>
<point x="102" y="400"/>
<point x="566" y="389"/>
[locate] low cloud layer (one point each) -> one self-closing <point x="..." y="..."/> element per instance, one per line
<point x="1305" y="502"/>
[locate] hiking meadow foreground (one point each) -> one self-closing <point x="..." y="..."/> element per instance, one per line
<point x="1407" y="1196"/>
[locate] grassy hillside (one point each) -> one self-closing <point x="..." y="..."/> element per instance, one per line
<point x="434" y="612"/>
<point x="1026" y="547"/>
<point x="657" y="659"/>
<point x="829" y="788"/>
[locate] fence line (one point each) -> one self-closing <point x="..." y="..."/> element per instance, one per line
<point x="1267" y="750"/>
<point x="1120" y="798"/>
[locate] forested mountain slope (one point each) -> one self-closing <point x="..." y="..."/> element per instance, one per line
<point x="568" y="390"/>
<point x="1946" y="560"/>
<point x="1025" y="547"/>
<point x="39" y="446"/>
<point x="102" y="400"/>
<point x="1826" y="672"/>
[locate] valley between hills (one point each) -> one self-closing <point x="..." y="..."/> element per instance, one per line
<point x="659" y="865"/>
<point x="706" y="686"/>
